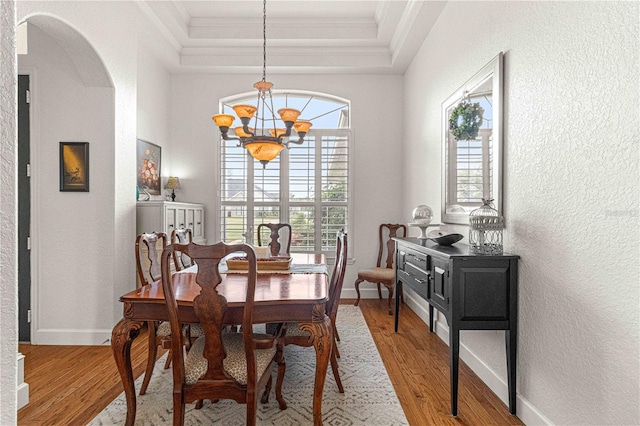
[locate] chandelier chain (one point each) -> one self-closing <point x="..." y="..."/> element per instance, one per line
<point x="264" y="40"/>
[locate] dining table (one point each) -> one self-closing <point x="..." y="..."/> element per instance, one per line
<point x="297" y="294"/>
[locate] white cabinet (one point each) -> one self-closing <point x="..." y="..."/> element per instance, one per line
<point x="165" y="216"/>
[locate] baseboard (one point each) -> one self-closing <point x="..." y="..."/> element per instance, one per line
<point x="365" y="293"/>
<point x="23" y="388"/>
<point x="72" y="337"/>
<point x="526" y="412"/>
<point x="23" y="395"/>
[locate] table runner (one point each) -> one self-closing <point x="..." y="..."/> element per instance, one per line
<point x="295" y="268"/>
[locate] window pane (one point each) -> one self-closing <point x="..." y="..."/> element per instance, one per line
<point x="302" y="171"/>
<point x="335" y="168"/>
<point x="233" y="223"/>
<point x="302" y="221"/>
<point x="334" y="218"/>
<point x="266" y="181"/>
<point x="233" y="185"/>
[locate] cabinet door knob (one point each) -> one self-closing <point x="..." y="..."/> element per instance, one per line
<point x="171" y="226"/>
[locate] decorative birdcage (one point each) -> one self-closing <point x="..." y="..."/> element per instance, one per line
<point x="485" y="230"/>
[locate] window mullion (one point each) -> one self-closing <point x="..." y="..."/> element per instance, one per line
<point x="318" y="193"/>
<point x="284" y="186"/>
<point x="250" y="199"/>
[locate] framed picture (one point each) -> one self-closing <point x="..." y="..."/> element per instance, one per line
<point x="74" y="166"/>
<point x="148" y="166"/>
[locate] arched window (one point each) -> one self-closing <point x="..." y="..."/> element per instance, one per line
<point x="307" y="186"/>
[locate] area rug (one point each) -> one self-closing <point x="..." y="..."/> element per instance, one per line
<point x="368" y="399"/>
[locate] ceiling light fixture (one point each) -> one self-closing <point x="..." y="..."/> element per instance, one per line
<point x="256" y="140"/>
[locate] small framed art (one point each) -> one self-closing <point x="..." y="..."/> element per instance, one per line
<point x="148" y="166"/>
<point x="74" y="166"/>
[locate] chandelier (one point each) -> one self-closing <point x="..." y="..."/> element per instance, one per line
<point x="265" y="139"/>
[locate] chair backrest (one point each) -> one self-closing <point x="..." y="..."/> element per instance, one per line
<point x="337" y="277"/>
<point x="385" y="242"/>
<point x="210" y="308"/>
<point x="276" y="230"/>
<point x="147" y="256"/>
<point x="181" y="236"/>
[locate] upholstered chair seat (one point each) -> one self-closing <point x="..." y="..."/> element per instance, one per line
<point x="164" y="329"/>
<point x="235" y="363"/>
<point x="378" y="274"/>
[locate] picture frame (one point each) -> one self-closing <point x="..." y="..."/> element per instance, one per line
<point x="74" y="166"/>
<point x="148" y="166"/>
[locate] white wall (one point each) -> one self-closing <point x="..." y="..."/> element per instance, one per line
<point x="376" y="111"/>
<point x="153" y="107"/>
<point x="74" y="282"/>
<point x="68" y="242"/>
<point x="570" y="193"/>
<point x="8" y="218"/>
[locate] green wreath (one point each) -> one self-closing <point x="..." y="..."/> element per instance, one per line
<point x="465" y="120"/>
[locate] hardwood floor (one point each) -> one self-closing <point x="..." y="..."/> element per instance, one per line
<point x="69" y="385"/>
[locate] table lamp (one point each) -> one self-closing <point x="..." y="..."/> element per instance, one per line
<point x="173" y="183"/>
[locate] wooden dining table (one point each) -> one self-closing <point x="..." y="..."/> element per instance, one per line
<point x="280" y="296"/>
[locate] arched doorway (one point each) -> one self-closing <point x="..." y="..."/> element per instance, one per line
<point x="72" y="100"/>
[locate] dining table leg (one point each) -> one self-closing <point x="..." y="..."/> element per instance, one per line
<point x="321" y="331"/>
<point x="121" y="337"/>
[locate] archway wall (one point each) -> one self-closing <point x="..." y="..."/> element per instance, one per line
<point x="80" y="279"/>
<point x="8" y="219"/>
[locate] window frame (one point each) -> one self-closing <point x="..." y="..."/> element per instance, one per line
<point x="284" y="203"/>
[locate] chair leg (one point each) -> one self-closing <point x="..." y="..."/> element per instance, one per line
<point x="390" y="288"/>
<point x="336" y="338"/>
<point x="379" y="291"/>
<point x="151" y="356"/>
<point x="267" y="391"/>
<point x="178" y="410"/>
<point x="336" y="373"/>
<point x="282" y="367"/>
<point x="167" y="363"/>
<point x="357" y="284"/>
<point x="252" y="408"/>
<point x="335" y="331"/>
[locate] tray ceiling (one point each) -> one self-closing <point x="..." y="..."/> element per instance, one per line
<point x="303" y="36"/>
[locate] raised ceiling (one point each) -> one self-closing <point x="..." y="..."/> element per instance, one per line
<point x="303" y="36"/>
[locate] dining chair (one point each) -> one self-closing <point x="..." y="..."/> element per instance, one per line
<point x="276" y="230"/>
<point x="293" y="334"/>
<point x="386" y="274"/>
<point x="220" y="364"/>
<point x="181" y="262"/>
<point x="149" y="270"/>
<point x="181" y="236"/>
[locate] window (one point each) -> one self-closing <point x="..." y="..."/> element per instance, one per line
<point x="306" y="186"/>
<point x="471" y="178"/>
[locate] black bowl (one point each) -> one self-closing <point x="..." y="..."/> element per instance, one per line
<point x="447" y="239"/>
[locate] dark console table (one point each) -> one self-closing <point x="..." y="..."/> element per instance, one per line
<point x="473" y="292"/>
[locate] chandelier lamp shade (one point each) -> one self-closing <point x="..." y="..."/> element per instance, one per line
<point x="265" y="139"/>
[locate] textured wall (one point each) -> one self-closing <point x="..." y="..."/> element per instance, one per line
<point x="571" y="185"/>
<point x="8" y="219"/>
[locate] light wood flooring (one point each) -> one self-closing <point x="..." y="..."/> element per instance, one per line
<point x="69" y="385"/>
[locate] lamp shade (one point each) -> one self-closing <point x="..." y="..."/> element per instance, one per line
<point x="241" y="133"/>
<point x="223" y="120"/>
<point x="264" y="150"/>
<point x="278" y="132"/>
<point x="302" y="126"/>
<point x="172" y="183"/>
<point x="288" y="114"/>
<point x="245" y="111"/>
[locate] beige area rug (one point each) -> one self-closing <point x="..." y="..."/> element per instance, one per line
<point x="369" y="397"/>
